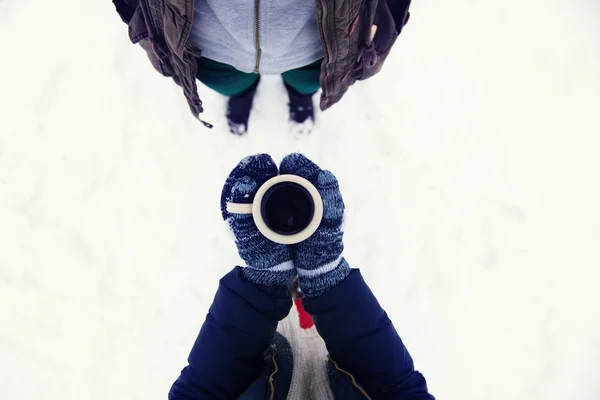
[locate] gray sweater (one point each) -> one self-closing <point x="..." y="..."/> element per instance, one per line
<point x="288" y="37"/>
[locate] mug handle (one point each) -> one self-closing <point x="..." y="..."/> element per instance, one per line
<point x="239" y="208"/>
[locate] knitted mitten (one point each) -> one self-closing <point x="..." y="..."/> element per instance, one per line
<point x="268" y="263"/>
<point x="318" y="259"/>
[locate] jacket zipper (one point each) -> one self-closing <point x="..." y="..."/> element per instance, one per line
<point x="349" y="375"/>
<point x="257" y="34"/>
<point x="272" y="376"/>
<point x="327" y="51"/>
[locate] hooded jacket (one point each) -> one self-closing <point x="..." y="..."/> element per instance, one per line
<point x="357" y="36"/>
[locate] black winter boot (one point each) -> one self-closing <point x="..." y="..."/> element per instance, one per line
<point x="238" y="110"/>
<point x="302" y="113"/>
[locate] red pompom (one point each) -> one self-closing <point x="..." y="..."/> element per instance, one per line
<point x="306" y="321"/>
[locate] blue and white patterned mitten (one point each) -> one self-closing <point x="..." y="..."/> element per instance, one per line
<point x="318" y="259"/>
<point x="268" y="263"/>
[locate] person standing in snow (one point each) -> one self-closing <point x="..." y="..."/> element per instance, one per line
<point x="238" y="353"/>
<point x="228" y="45"/>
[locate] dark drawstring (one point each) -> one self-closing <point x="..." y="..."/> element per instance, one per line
<point x="200" y="111"/>
<point x="206" y="124"/>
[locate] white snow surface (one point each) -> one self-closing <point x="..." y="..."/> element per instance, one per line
<point x="469" y="167"/>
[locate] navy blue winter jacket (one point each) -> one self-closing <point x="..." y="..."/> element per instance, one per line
<point x="228" y="353"/>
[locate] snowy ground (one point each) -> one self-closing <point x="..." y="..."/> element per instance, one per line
<point x="469" y="168"/>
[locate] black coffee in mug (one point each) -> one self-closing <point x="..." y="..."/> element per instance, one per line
<point x="287" y="208"/>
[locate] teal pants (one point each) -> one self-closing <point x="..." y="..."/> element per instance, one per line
<point x="228" y="81"/>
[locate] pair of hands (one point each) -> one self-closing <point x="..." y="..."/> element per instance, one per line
<point x="318" y="260"/>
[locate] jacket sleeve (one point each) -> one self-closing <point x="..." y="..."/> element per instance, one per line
<point x="361" y="339"/>
<point x="134" y="16"/>
<point x="390" y="18"/>
<point x="125" y="8"/>
<point x="228" y="353"/>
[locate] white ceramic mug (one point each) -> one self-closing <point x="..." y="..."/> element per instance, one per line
<point x="287" y="209"/>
